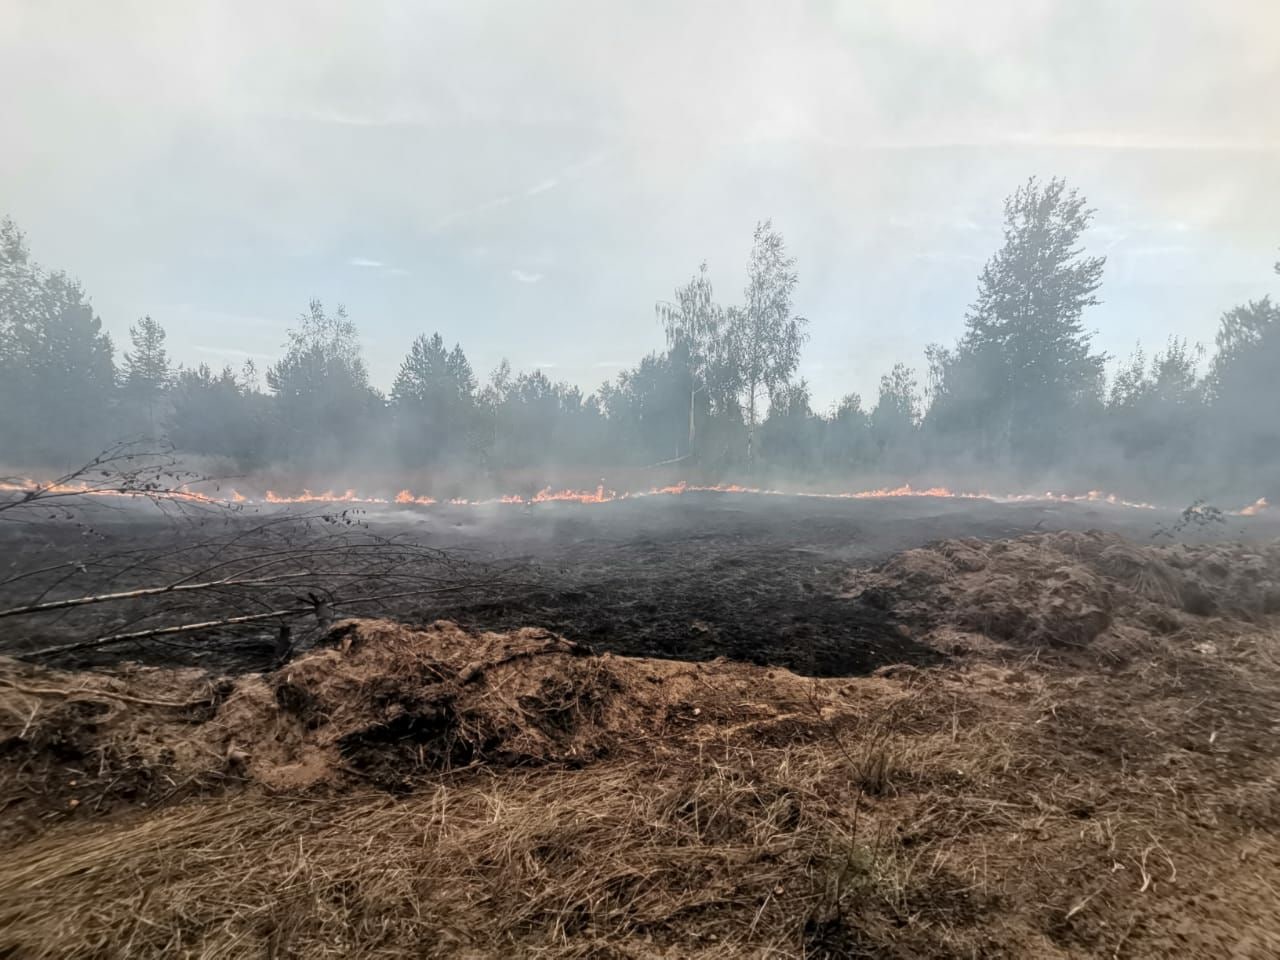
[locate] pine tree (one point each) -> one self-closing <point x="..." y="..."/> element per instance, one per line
<point x="146" y="368"/>
<point x="146" y="372"/>
<point x="433" y="400"/>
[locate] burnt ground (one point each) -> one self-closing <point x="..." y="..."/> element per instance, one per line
<point x="752" y="578"/>
<point x="1089" y="770"/>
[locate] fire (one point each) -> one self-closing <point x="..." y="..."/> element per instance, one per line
<point x="29" y="487"/>
<point x="404" y="496"/>
<point x="601" y="494"/>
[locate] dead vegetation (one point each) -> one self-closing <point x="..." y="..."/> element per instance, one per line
<point x="1093" y="773"/>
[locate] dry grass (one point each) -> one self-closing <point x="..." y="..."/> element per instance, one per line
<point x="725" y="856"/>
<point x="1021" y="802"/>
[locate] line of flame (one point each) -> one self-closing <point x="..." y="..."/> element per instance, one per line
<point x="599" y="495"/>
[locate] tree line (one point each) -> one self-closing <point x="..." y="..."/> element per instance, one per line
<point x="1023" y="393"/>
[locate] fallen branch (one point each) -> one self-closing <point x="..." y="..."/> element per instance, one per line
<point x="143" y="592"/>
<point x="167" y="631"/>
<point x="311" y="610"/>
<point x="70" y="692"/>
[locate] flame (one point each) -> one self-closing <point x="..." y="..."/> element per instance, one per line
<point x="28" y="486"/>
<point x="404" y="496"/>
<point x="601" y="494"/>
<point x="1255" y="508"/>
<point x="347" y="496"/>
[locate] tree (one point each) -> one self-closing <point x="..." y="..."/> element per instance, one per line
<point x="1156" y="407"/>
<point x="848" y="440"/>
<point x="1025" y="363"/>
<point x="146" y="367"/>
<point x="145" y="371"/>
<point x="695" y="331"/>
<point x="1244" y="390"/>
<point x="20" y="280"/>
<point x="645" y="408"/>
<point x="321" y="386"/>
<point x="790" y="434"/>
<point x="220" y="414"/>
<point x="57" y="373"/>
<point x="533" y="421"/>
<point x="764" y="339"/>
<point x="432" y="400"/>
<point x="897" y="410"/>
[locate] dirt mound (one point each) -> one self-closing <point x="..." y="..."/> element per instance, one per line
<point x="77" y="742"/>
<point x="385" y="702"/>
<point x="375" y="702"/>
<point x="1067" y="589"/>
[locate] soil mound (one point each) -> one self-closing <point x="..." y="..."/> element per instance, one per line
<point x="386" y="702"/>
<point x="375" y="702"/>
<point x="1067" y="589"/>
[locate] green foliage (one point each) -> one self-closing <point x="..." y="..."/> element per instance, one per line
<point x="57" y="374"/>
<point x="146" y="367"/>
<point x="220" y="414"/>
<point x="763" y="338"/>
<point x="649" y="405"/>
<point x="1244" y="383"/>
<point x="145" y="376"/>
<point x="1021" y="387"/>
<point x="1025" y="364"/>
<point x="433" y="403"/>
<point x="695" y="326"/>
<point x="325" y="406"/>
<point x="897" y="411"/>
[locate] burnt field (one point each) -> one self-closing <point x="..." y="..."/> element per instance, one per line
<point x="760" y="579"/>
<point x="940" y="728"/>
<point x="1010" y="730"/>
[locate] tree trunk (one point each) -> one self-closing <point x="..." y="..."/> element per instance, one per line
<point x="692" y="394"/>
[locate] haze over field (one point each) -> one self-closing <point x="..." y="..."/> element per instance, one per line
<point x="1012" y="248"/>
<point x="716" y="479"/>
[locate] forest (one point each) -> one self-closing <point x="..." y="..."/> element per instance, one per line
<point x="1022" y="397"/>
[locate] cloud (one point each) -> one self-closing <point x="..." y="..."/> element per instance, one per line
<point x="468" y="212"/>
<point x="604" y="364"/>
<point x="385" y="269"/>
<point x="549" y="184"/>
<point x="567" y="173"/>
<point x="526" y="277"/>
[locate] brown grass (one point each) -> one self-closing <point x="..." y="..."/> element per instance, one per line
<point x="1024" y="801"/>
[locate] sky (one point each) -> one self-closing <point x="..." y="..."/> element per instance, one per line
<point x="529" y="179"/>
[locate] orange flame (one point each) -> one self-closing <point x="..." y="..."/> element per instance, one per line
<point x="601" y="494"/>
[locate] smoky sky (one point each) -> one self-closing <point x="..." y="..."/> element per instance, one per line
<point x="529" y="178"/>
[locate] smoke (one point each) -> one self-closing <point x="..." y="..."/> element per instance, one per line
<point x="435" y="168"/>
